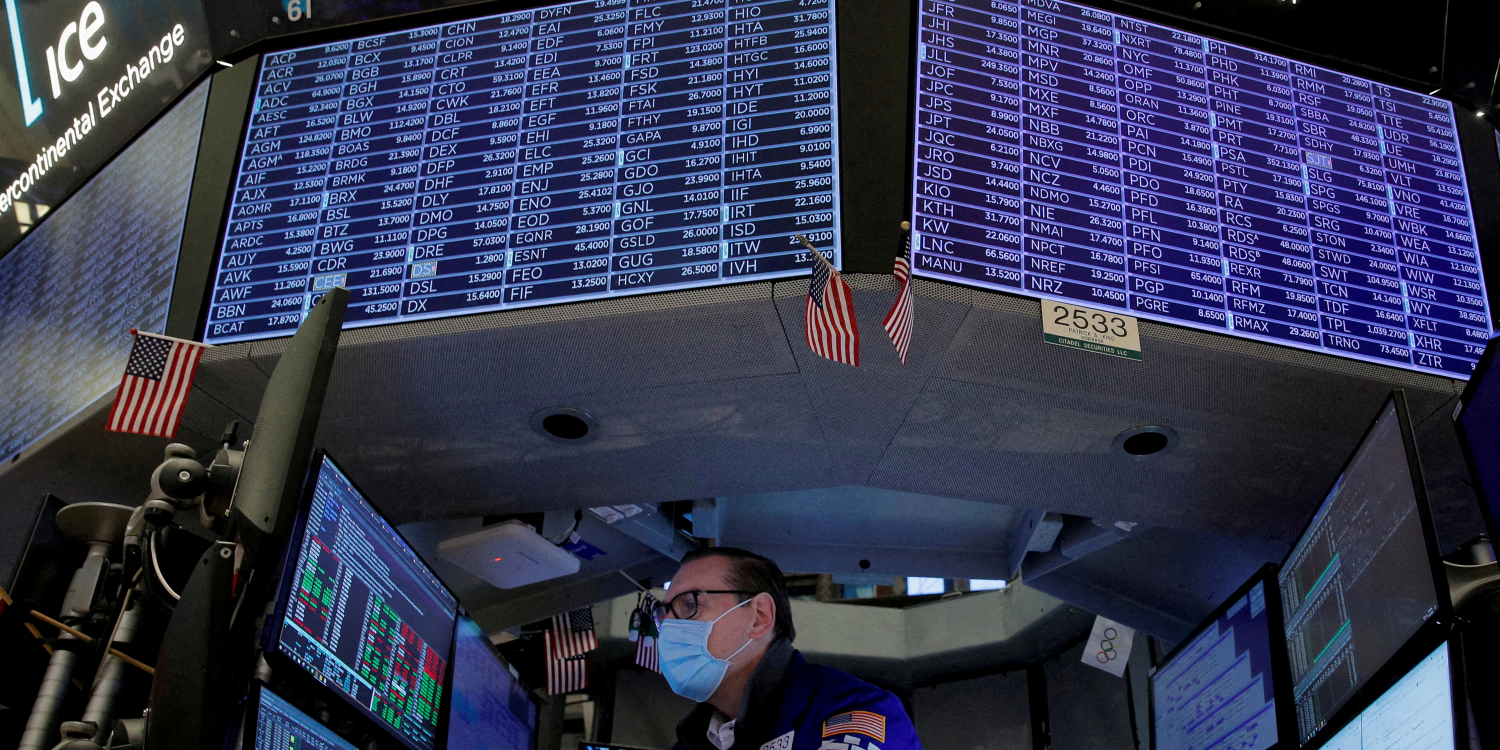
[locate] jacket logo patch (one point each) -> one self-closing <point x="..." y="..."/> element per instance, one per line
<point x="856" y="722"/>
<point x="784" y="742"/>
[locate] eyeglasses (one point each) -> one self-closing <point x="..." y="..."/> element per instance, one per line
<point x="685" y="605"/>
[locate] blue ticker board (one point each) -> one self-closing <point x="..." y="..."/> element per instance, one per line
<point x="1072" y="154"/>
<point x="574" y="151"/>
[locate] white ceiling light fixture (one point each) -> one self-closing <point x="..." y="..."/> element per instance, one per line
<point x="508" y="555"/>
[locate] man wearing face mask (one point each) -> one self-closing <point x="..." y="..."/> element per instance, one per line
<point x="726" y="641"/>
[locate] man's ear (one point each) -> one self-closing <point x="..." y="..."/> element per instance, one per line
<point x="765" y="615"/>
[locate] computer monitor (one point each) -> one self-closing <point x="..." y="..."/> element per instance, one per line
<point x="1226" y="684"/>
<point x="490" y="709"/>
<point x="1416" y="713"/>
<point x="278" y="725"/>
<point x="1364" y="579"/>
<point x="1478" y="420"/>
<point x="361" y="613"/>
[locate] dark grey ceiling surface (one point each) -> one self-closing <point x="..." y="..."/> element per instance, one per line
<point x="712" y="393"/>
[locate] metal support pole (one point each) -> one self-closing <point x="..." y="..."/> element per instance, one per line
<point x="111" y="676"/>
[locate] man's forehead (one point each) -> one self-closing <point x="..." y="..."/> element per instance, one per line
<point x="703" y="574"/>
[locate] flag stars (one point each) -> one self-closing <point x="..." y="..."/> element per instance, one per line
<point x="148" y="358"/>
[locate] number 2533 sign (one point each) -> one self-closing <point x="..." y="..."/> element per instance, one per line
<point x="1091" y="330"/>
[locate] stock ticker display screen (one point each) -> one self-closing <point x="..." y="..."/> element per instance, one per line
<point x="365" y="616"/>
<point x="1068" y="153"/>
<point x="573" y="151"/>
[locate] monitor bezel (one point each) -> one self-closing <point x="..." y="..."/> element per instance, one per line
<point x="270" y="641"/>
<point x="1458" y="699"/>
<point x="251" y="725"/>
<point x="1437" y="627"/>
<point x="1486" y="367"/>
<point x="453" y="671"/>
<point x="1281" y="677"/>
<point x="453" y="14"/>
<point x="1218" y="33"/>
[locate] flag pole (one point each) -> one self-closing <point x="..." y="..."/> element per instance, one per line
<point x="809" y="246"/>
<point x="137" y="332"/>
<point x="634" y="582"/>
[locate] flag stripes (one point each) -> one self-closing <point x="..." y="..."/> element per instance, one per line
<point x="856" y="722"/>
<point x="898" y="321"/>
<point x="564" y="675"/>
<point x="832" y="332"/>
<point x="645" y="653"/>
<point x="566" y="645"/>
<point x="158" y="379"/>
<point x="645" y="643"/>
<point x="573" y="634"/>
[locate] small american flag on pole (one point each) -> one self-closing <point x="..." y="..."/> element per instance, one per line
<point x="898" y="321"/>
<point x="645" y="653"/>
<point x="572" y="634"/>
<point x="158" y="379"/>
<point x="831" y="330"/>
<point x="645" y="643"/>
<point x="564" y="675"/>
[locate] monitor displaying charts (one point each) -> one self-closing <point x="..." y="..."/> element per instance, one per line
<point x="280" y="726"/>
<point x="1218" y="690"/>
<point x="363" y="615"/>
<point x="1414" y="714"/>
<point x="1082" y="156"/>
<point x="490" y="709"/>
<point x="573" y="151"/>
<point x="1359" y="582"/>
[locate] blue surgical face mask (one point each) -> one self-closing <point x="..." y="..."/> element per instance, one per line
<point x="690" y="669"/>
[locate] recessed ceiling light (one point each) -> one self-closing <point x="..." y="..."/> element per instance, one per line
<point x="1142" y="443"/>
<point x="564" y="424"/>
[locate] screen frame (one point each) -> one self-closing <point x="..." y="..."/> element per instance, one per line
<point x="271" y="638"/>
<point x="1281" y="671"/>
<point x="251" y="724"/>
<point x="1486" y="368"/>
<point x="1150" y="15"/>
<point x="255" y="54"/>
<point x="1387" y="678"/>
<point x="1437" y="627"/>
<point x="453" y="670"/>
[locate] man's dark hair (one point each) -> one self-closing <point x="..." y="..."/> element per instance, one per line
<point x="751" y="572"/>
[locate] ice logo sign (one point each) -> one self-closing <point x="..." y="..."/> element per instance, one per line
<point x="63" y="64"/>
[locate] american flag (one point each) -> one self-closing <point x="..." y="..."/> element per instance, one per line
<point x="564" y="675"/>
<point x="645" y="653"/>
<point x="856" y="722"/>
<point x="645" y="643"/>
<point x="158" y="379"/>
<point x="572" y="634"/>
<point x="898" y="321"/>
<point x="831" y="330"/>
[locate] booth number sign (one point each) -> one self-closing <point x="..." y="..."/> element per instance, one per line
<point x="1091" y="330"/>
<point x="296" y="10"/>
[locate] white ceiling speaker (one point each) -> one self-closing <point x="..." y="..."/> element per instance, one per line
<point x="508" y="555"/>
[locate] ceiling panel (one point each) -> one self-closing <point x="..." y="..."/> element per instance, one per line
<point x="712" y="393"/>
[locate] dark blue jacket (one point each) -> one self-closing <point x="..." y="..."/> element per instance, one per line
<point x="792" y="705"/>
